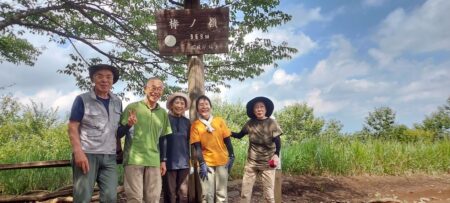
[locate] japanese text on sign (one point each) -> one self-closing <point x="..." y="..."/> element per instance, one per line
<point x="200" y="31"/>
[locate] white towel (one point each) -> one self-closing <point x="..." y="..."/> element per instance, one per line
<point x="208" y="122"/>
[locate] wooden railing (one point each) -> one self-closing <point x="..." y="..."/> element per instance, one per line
<point x="37" y="164"/>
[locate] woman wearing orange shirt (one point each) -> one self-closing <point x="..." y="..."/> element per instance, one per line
<point x="211" y="138"/>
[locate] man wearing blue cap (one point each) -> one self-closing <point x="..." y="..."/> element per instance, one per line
<point x="93" y="124"/>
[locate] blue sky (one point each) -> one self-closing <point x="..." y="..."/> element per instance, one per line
<point x="353" y="56"/>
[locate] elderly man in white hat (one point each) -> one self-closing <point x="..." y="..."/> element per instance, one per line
<point x="177" y="163"/>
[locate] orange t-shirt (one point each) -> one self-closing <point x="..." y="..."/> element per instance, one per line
<point x="214" y="150"/>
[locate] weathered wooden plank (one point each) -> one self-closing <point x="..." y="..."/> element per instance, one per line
<point x="193" y="31"/>
<point x="37" y="164"/>
<point x="62" y="194"/>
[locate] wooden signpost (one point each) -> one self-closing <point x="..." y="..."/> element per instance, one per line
<point x="192" y="31"/>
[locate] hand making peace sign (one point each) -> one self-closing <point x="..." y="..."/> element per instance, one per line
<point x="132" y="118"/>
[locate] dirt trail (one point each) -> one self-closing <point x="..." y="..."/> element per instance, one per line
<point x="373" y="189"/>
<point x="414" y="188"/>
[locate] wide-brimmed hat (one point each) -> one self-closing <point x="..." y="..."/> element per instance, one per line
<point x="94" y="68"/>
<point x="267" y="102"/>
<point x="171" y="97"/>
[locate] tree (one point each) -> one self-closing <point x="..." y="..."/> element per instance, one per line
<point x="9" y="109"/>
<point x="438" y="122"/>
<point x="234" y="114"/>
<point x="380" y="122"/>
<point x="332" y="128"/>
<point x="297" y="121"/>
<point x="123" y="33"/>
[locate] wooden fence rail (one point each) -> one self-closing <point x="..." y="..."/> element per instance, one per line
<point x="37" y="164"/>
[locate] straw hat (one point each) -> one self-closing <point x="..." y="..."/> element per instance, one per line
<point x="171" y="97"/>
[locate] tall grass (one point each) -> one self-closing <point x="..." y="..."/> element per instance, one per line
<point x="312" y="156"/>
<point x="341" y="156"/>
<point x="53" y="145"/>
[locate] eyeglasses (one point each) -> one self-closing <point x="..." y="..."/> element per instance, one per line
<point x="101" y="77"/>
<point x="156" y="89"/>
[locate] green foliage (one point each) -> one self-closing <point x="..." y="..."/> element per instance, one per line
<point x="297" y="122"/>
<point x="16" y="50"/>
<point x="332" y="128"/>
<point x="414" y="135"/>
<point x="380" y="122"/>
<point x="438" y="122"/>
<point x="9" y="109"/>
<point x="122" y="33"/>
<point x="234" y="114"/>
<point x="23" y="122"/>
<point x="31" y="133"/>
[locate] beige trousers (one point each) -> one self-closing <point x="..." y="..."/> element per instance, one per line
<point x="142" y="184"/>
<point x="214" y="190"/>
<point x="267" y="177"/>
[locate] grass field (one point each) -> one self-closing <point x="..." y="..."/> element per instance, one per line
<point x="312" y="156"/>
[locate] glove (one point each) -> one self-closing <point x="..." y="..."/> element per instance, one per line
<point x="229" y="164"/>
<point x="203" y="171"/>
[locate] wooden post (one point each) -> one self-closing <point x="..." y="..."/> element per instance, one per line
<point x="278" y="183"/>
<point x="196" y="82"/>
<point x="196" y="88"/>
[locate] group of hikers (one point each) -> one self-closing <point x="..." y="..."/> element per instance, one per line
<point x="156" y="153"/>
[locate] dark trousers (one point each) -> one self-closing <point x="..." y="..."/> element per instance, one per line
<point x="176" y="186"/>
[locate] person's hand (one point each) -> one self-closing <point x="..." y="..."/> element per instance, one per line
<point x="163" y="168"/>
<point x="81" y="161"/>
<point x="204" y="169"/>
<point x="229" y="164"/>
<point x="274" y="161"/>
<point x="132" y="119"/>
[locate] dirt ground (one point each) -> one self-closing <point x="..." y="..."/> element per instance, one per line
<point x="343" y="189"/>
<point x="414" y="188"/>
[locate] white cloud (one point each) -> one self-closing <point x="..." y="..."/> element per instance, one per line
<point x="381" y="57"/>
<point x="43" y="75"/>
<point x="256" y="86"/>
<point x="431" y="84"/>
<point x="320" y="105"/>
<point x="373" y="3"/>
<point x="303" y="43"/>
<point x="50" y="98"/>
<point x="365" y="86"/>
<point x="290" y="32"/>
<point x="423" y="30"/>
<point x="280" y="77"/>
<point x="302" y="16"/>
<point x="340" y="65"/>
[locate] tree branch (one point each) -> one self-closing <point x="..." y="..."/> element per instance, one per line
<point x="176" y="3"/>
<point x="17" y="16"/>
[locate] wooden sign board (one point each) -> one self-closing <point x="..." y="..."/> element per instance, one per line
<point x="193" y="31"/>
